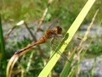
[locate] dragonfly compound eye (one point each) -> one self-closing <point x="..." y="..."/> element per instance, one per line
<point x="59" y="30"/>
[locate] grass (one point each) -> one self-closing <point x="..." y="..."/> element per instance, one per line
<point x="3" y="54"/>
<point x="33" y="62"/>
<point x="32" y="10"/>
<point x="60" y="49"/>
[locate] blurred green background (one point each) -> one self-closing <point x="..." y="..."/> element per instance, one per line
<point x="30" y="10"/>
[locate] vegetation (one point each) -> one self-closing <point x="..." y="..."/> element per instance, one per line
<point x="32" y="63"/>
<point x="66" y="11"/>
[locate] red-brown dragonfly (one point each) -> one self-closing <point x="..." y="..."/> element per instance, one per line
<point x="48" y="34"/>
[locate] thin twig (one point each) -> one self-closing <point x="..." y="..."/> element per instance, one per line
<point x="29" y="62"/>
<point x="34" y="38"/>
<point x="9" y="32"/>
<point x="32" y="35"/>
<point x="88" y="30"/>
<point x="84" y="39"/>
<point x="44" y="14"/>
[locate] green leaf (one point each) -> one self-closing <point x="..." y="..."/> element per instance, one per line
<point x="2" y="43"/>
<point x="67" y="67"/>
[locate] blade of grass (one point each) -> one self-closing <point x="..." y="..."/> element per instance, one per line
<point x="2" y="43"/>
<point x="93" y="68"/>
<point x="70" y="33"/>
<point x="68" y="65"/>
<point x="74" y="69"/>
<point x="3" y="60"/>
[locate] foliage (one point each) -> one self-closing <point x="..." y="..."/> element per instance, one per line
<point x="95" y="48"/>
<point x="3" y="54"/>
<point x="66" y="11"/>
<point x="33" y="62"/>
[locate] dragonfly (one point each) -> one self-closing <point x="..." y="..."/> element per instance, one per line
<point x="56" y="31"/>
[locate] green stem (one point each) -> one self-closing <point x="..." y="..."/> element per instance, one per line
<point x="2" y="43"/>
